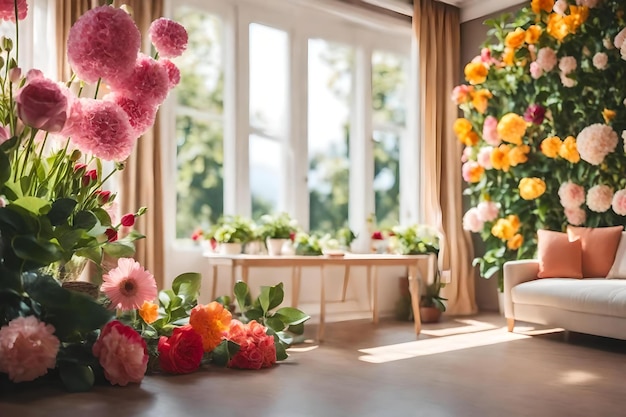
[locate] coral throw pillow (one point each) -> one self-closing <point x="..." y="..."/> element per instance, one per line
<point x="558" y="256"/>
<point x="618" y="270"/>
<point x="599" y="246"/>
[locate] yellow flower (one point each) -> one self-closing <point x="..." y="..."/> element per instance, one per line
<point x="532" y="34"/>
<point x="480" y="100"/>
<point x="511" y="128"/>
<point x="515" y="39"/>
<point x="500" y="158"/>
<point x="531" y="188"/>
<point x="539" y="5"/>
<point x="551" y="146"/>
<point x="557" y="27"/>
<point x="608" y="115"/>
<point x="569" y="151"/>
<point x="509" y="56"/>
<point x="476" y="72"/>
<point x="518" y="155"/>
<point x="506" y="228"/>
<point x="578" y="16"/>
<point x="149" y="312"/>
<point x="515" y="242"/>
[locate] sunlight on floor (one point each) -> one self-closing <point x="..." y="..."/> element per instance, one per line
<point x="577" y="378"/>
<point x="470" y="326"/>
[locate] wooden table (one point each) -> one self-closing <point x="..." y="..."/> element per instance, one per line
<point x="370" y="261"/>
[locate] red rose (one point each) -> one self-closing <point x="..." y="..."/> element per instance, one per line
<point x="128" y="220"/>
<point x="377" y="236"/>
<point x="182" y="352"/>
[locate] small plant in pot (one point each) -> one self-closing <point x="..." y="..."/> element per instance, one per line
<point x="431" y="302"/>
<point x="232" y="233"/>
<point x="276" y="229"/>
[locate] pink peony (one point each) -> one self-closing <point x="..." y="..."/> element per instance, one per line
<point x="129" y="285"/>
<point x="148" y="82"/>
<point x="173" y="73"/>
<point x="560" y="7"/>
<point x="103" y="43"/>
<point x="566" y="81"/>
<point x="599" y="198"/>
<point x="546" y="59"/>
<point x="7" y="10"/>
<point x="28" y="348"/>
<point x="595" y="142"/>
<point x="571" y="195"/>
<point x="141" y="115"/>
<point x="567" y="64"/>
<point x="575" y="216"/>
<point x="600" y="60"/>
<point x="620" y="38"/>
<point x="122" y="352"/>
<point x="472" y="221"/>
<point x="619" y="202"/>
<point x="484" y="157"/>
<point x="488" y="211"/>
<point x="168" y="37"/>
<point x="535" y="70"/>
<point x="102" y="128"/>
<point x="43" y="104"/>
<point x="490" y="131"/>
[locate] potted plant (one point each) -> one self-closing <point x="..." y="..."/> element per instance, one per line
<point x="232" y="233"/>
<point x="307" y="245"/>
<point x="416" y="239"/>
<point x="345" y="237"/>
<point x="276" y="229"/>
<point x="431" y="302"/>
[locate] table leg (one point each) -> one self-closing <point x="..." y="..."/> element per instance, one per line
<point x="369" y="286"/>
<point x="346" y="277"/>
<point x="295" y="283"/>
<point x="320" y="329"/>
<point x="415" y="298"/>
<point x="214" y="287"/>
<point x="375" y="297"/>
<point x="244" y="274"/>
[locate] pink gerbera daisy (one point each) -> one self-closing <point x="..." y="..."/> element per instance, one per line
<point x="129" y="285"/>
<point x="169" y="38"/>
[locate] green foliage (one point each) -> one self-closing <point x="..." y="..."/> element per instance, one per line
<point x="277" y="226"/>
<point x="414" y="240"/>
<point x="234" y="229"/>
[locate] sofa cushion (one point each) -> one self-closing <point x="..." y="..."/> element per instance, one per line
<point x="558" y="256"/>
<point x="599" y="245"/>
<point x="618" y="270"/>
<point x="593" y="296"/>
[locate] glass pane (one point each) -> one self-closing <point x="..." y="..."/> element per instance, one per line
<point x="269" y="78"/>
<point x="389" y="88"/>
<point x="386" y="180"/>
<point x="330" y="88"/>
<point x="266" y="180"/>
<point x="199" y="185"/>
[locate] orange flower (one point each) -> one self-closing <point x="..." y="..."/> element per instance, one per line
<point x="514" y="222"/>
<point x="608" y="115"/>
<point x="500" y="158"/>
<point x="515" y="39"/>
<point x="515" y="242"/>
<point x="531" y="188"/>
<point x="518" y="155"/>
<point x="539" y="5"/>
<point x="480" y="100"/>
<point x="149" y="312"/>
<point x="532" y="34"/>
<point x="476" y="72"/>
<point x="557" y="27"/>
<point x="511" y="128"/>
<point x="509" y="56"/>
<point x="463" y="130"/>
<point x="569" y="151"/>
<point x="210" y="321"/>
<point x="506" y="228"/>
<point x="577" y="16"/>
<point x="551" y="146"/>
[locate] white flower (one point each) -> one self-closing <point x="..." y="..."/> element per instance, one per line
<point x="571" y="195"/>
<point x="575" y="216"/>
<point x="560" y="7"/>
<point x="488" y="211"/>
<point x="600" y="60"/>
<point x="484" y="157"/>
<point x="599" y="198"/>
<point x="567" y="64"/>
<point x="619" y="39"/>
<point x="472" y="222"/>
<point x="595" y="142"/>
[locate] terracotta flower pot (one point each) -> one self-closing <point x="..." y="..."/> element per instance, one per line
<point x="430" y="314"/>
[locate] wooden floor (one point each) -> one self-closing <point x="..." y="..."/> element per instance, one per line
<point x="460" y="367"/>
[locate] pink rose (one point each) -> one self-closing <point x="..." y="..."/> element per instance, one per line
<point x="567" y="64"/>
<point x="122" y="353"/>
<point x="600" y="60"/>
<point x="571" y="195"/>
<point x="599" y="198"/>
<point x="256" y="348"/>
<point x="467" y="154"/>
<point x="488" y="211"/>
<point x="535" y="70"/>
<point x="575" y="216"/>
<point x="472" y="221"/>
<point x="42" y="104"/>
<point x="546" y="59"/>
<point x="490" y="131"/>
<point x="619" y="202"/>
<point x="182" y="352"/>
<point x="484" y="157"/>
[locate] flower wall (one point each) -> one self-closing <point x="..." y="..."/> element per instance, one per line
<point x="544" y="119"/>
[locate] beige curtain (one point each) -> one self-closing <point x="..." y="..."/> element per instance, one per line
<point x="437" y="31"/>
<point x="141" y="180"/>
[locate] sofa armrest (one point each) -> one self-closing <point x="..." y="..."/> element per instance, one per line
<point x="516" y="272"/>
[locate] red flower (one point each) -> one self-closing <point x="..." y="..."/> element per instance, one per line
<point x="377" y="235"/>
<point x="103" y="196"/>
<point x="89" y="177"/>
<point x="80" y="168"/>
<point x="196" y="235"/>
<point x="111" y="235"/>
<point x="181" y="353"/>
<point x="128" y="219"/>
<point x="256" y="348"/>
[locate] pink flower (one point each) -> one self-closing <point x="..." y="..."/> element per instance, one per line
<point x="256" y="348"/>
<point x="129" y="285"/>
<point x="546" y="59"/>
<point x="600" y="60"/>
<point x="472" y="221"/>
<point x="5" y="134"/>
<point x="140" y="114"/>
<point x="620" y="38"/>
<point x="467" y="154"/>
<point x="485" y="56"/>
<point x="7" y="10"/>
<point x="122" y="353"/>
<point x="148" y="82"/>
<point x="566" y="81"/>
<point x="103" y="43"/>
<point x="461" y="93"/>
<point x="571" y="195"/>
<point x="595" y="142"/>
<point x="490" y="131"/>
<point x="128" y="220"/>
<point x="42" y="104"/>
<point x="168" y="37"/>
<point x="28" y="348"/>
<point x="102" y="128"/>
<point x="535" y="114"/>
<point x="560" y="7"/>
<point x="15" y="74"/>
<point x="173" y="73"/>
<point x="535" y="70"/>
<point x="567" y="64"/>
<point x="587" y="3"/>
<point x="619" y="202"/>
<point x="599" y="198"/>
<point x="575" y="216"/>
<point x="488" y="211"/>
<point x="484" y="157"/>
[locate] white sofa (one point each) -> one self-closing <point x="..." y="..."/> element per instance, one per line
<point x="591" y="305"/>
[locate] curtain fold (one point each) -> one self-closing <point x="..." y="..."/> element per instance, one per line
<point x="437" y="34"/>
<point x="140" y="182"/>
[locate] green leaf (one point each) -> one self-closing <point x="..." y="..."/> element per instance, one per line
<point x="296" y="329"/>
<point x="241" y="294"/>
<point x="5" y="168"/>
<point x="85" y="220"/>
<point x="254" y="314"/>
<point x="165" y="298"/>
<point x="224" y="352"/>
<point x="277" y="294"/>
<point x="38" y="251"/>
<point x="187" y="285"/>
<point x="275" y="323"/>
<point x="61" y="210"/>
<point x="34" y="205"/>
<point x="292" y="316"/>
<point x="119" y="249"/>
<point x="264" y="298"/>
<point x="76" y="378"/>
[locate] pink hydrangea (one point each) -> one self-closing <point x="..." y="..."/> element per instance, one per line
<point x="103" y="43"/>
<point x="488" y="211"/>
<point x="173" y="73"/>
<point x="168" y="37"/>
<point x="535" y="70"/>
<point x="619" y="202"/>
<point x="7" y="10"/>
<point x="595" y="142"/>
<point x="28" y="348"/>
<point x="141" y="115"/>
<point x="102" y="128"/>
<point x="43" y="104"/>
<point x="600" y="60"/>
<point x="148" y="82"/>
<point x="572" y="195"/>
<point x="472" y="221"/>
<point x="490" y="131"/>
<point x="575" y="216"/>
<point x="484" y="157"/>
<point x="567" y="64"/>
<point x="122" y="352"/>
<point x="599" y="198"/>
<point x="546" y="59"/>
